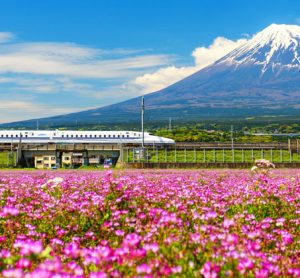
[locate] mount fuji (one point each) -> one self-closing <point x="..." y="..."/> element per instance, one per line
<point x="260" y="77"/>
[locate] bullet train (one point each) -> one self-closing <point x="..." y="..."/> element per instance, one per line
<point x="80" y="137"/>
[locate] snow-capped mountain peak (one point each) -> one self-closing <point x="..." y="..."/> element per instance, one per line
<point x="274" y="48"/>
<point x="279" y="35"/>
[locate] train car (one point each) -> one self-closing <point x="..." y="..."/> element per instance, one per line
<point x="80" y="137"/>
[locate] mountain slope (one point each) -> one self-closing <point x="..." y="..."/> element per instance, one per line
<point x="260" y="77"/>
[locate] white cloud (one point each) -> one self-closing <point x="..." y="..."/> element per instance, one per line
<point x="220" y="47"/>
<point x="72" y="60"/>
<point x="41" y="85"/>
<point x="161" y="78"/>
<point x="14" y="110"/>
<point x="6" y="36"/>
<point x="203" y="56"/>
<point x="80" y="76"/>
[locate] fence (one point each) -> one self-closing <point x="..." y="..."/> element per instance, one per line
<point x="207" y="155"/>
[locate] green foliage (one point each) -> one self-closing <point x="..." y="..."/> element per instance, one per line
<point x="274" y="207"/>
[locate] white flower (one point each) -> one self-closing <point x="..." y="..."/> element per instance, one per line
<point x="54" y="182"/>
<point x="57" y="180"/>
<point x="43" y="186"/>
<point x="254" y="168"/>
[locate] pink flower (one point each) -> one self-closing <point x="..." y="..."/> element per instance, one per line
<point x="119" y="232"/>
<point x="228" y="223"/>
<point x="210" y="270"/>
<point x="287" y="238"/>
<point x="151" y="247"/>
<point x="211" y="215"/>
<point x="295" y="272"/>
<point x="232" y="239"/>
<point x="98" y="274"/>
<point x="23" y="263"/>
<point x="13" y="273"/>
<point x="245" y="264"/>
<point x="177" y="269"/>
<point x="132" y="240"/>
<point x="143" y="268"/>
<point x="72" y="250"/>
<point x="28" y="247"/>
<point x="6" y="211"/>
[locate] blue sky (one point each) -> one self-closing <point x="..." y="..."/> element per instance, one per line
<point x="60" y="56"/>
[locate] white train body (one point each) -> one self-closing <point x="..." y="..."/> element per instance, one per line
<point x="80" y="137"/>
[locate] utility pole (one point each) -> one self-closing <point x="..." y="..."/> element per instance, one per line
<point x="232" y="149"/>
<point x="142" y="120"/>
<point x="231" y="131"/>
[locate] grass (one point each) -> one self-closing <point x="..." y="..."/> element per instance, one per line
<point x="7" y="159"/>
<point x="213" y="155"/>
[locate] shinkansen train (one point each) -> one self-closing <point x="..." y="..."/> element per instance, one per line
<point x="80" y="137"/>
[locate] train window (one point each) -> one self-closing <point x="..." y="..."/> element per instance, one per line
<point x="67" y="136"/>
<point x="109" y="135"/>
<point x="118" y="136"/>
<point x="104" y="136"/>
<point x="91" y="135"/>
<point x="72" y="135"/>
<point x="127" y="135"/>
<point x="26" y="135"/>
<point x="17" y="135"/>
<point x="81" y="136"/>
<point x="76" y="136"/>
<point x="63" y="136"/>
<point x="123" y="136"/>
<point x="6" y="135"/>
<point x="86" y="136"/>
<point x="95" y="135"/>
<point x="114" y="136"/>
<point x="11" y="136"/>
<point x="134" y="134"/>
<point x="2" y="135"/>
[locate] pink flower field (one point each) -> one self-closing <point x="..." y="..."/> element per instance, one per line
<point x="213" y="223"/>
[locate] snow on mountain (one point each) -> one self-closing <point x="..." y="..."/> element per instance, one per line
<point x="277" y="47"/>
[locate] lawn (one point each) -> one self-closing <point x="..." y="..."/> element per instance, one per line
<point x="212" y="155"/>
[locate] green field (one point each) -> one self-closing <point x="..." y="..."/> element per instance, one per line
<point x="7" y="159"/>
<point x="211" y="155"/>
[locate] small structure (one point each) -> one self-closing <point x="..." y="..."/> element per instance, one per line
<point x="66" y="159"/>
<point x="45" y="161"/>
